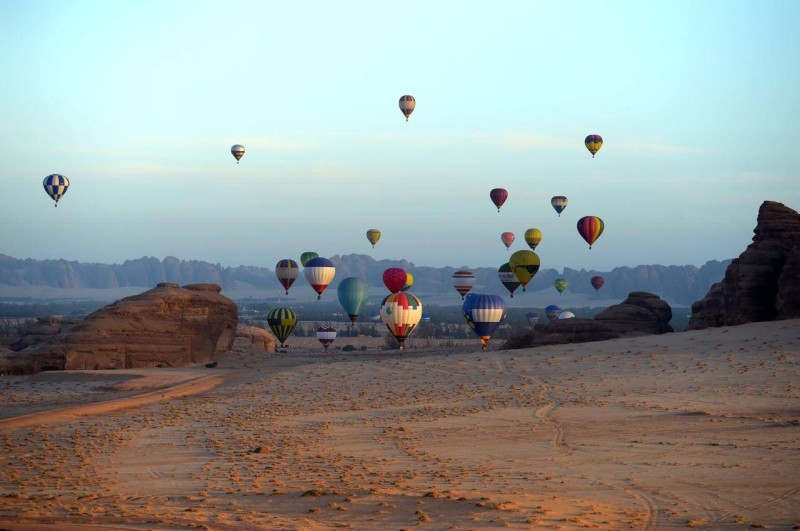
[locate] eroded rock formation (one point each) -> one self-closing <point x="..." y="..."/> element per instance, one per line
<point x="258" y="337"/>
<point x="641" y="313"/>
<point x="763" y="284"/>
<point x="164" y="327"/>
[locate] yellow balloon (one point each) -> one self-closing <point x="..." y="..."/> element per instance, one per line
<point x="524" y="265"/>
<point x="373" y="235"/>
<point x="533" y="237"/>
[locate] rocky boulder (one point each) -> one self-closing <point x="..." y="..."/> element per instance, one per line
<point x="763" y="284"/>
<point x="561" y="332"/>
<point x="163" y="327"/>
<point x="257" y="337"/>
<point x="640" y="314"/>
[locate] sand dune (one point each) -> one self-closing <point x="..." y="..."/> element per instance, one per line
<point x="698" y="429"/>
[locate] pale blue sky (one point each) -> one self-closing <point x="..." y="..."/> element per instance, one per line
<point x="139" y="102"/>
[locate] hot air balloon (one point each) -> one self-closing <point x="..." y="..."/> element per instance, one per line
<point x="590" y="228"/>
<point x="597" y="282"/>
<point x="566" y="315"/>
<point x="533" y="237"/>
<point x="401" y="312"/>
<point x="407" y="104"/>
<point x="375" y="315"/>
<point x="353" y="293"/>
<point x="463" y="281"/>
<point x="319" y="272"/>
<point x="484" y="313"/>
<point x="426" y="318"/>
<point x="560" y="284"/>
<point x="551" y="312"/>
<point x="286" y="270"/>
<point x="508" y="279"/>
<point x="498" y="196"/>
<point x="282" y="321"/>
<point x="507" y="238"/>
<point x="559" y="203"/>
<point x="409" y="281"/>
<point x="394" y="278"/>
<point x="237" y="150"/>
<point x="593" y="143"/>
<point x="524" y="265"/>
<point x="56" y="186"/>
<point x="326" y="335"/>
<point x="373" y="235"/>
<point x="306" y="256"/>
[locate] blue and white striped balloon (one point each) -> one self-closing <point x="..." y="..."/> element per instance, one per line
<point x="56" y="186"/>
<point x="484" y="313"/>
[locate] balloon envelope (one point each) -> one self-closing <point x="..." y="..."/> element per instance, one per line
<point x="593" y="143"/>
<point x="484" y="313"/>
<point x="306" y="256"/>
<point x="559" y="203"/>
<point x="237" y="150"/>
<point x="507" y="238"/>
<point x="524" y="265"/>
<point x="551" y="312"/>
<point x="56" y="186"/>
<point x="498" y="197"/>
<point x="353" y="293"/>
<point x="560" y="285"/>
<point x="373" y="235"/>
<point x="507" y="278"/>
<point x="409" y="282"/>
<point x="282" y="321"/>
<point x="590" y="228"/>
<point x="394" y="278"/>
<point x="407" y="105"/>
<point x="326" y="335"/>
<point x="319" y="272"/>
<point x="463" y="281"/>
<point x="533" y="237"/>
<point x="566" y="315"/>
<point x="286" y="270"/>
<point x="401" y="312"/>
<point x="597" y="282"/>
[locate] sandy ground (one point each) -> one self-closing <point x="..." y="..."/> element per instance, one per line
<point x="697" y="429"/>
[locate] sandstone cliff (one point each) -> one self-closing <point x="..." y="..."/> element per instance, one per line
<point x="763" y="284"/>
<point x="167" y="326"/>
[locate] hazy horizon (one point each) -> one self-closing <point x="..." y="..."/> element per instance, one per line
<point x="138" y="104"/>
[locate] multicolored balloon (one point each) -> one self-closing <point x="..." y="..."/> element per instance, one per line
<point x="306" y="256"/>
<point x="326" y="335"/>
<point x="407" y="105"/>
<point x="507" y="238"/>
<point x="551" y="312"/>
<point x="566" y="315"/>
<point x="463" y="281"/>
<point x="597" y="282"/>
<point x="559" y="203"/>
<point x="282" y="321"/>
<point x="401" y="312"/>
<point x="507" y="278"/>
<point x="593" y="143"/>
<point x="286" y="270"/>
<point x="373" y="235"/>
<point x="560" y="284"/>
<point x="56" y="186"/>
<point x="237" y="150"/>
<point x="394" y="278"/>
<point x="353" y="293"/>
<point x="524" y="265"/>
<point x="590" y="228"/>
<point x="484" y="313"/>
<point x="533" y="237"/>
<point x="409" y="281"/>
<point x="319" y="272"/>
<point x="498" y="197"/>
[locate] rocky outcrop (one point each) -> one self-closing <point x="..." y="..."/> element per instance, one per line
<point x="163" y="327"/>
<point x="561" y="332"/>
<point x="641" y="313"/>
<point x="257" y="337"/>
<point x="763" y="284"/>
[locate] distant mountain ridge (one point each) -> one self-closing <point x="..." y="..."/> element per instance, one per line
<point x="678" y="284"/>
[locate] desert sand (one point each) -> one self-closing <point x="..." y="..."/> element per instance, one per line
<point x="696" y="429"/>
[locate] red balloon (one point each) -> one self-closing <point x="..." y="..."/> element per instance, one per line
<point x="507" y="238"/>
<point x="394" y="279"/>
<point x="498" y="196"/>
<point x="597" y="282"/>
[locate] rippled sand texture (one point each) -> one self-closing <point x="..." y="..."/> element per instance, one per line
<point x="697" y="429"/>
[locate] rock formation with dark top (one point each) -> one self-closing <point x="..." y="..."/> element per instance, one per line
<point x="561" y="332"/>
<point x="257" y="337"/>
<point x="164" y="327"/>
<point x="763" y="284"/>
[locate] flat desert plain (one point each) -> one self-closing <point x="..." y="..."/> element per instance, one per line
<point x="696" y="429"/>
